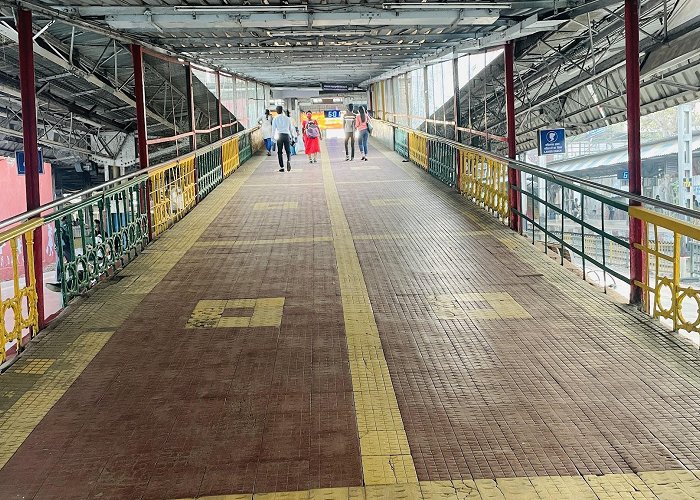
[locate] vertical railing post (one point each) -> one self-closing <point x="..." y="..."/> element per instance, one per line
<point x="141" y="126"/>
<point x="513" y="174"/>
<point x="140" y="95"/>
<point x="426" y="100"/>
<point x="219" y="108"/>
<point x="457" y="104"/>
<point x="31" y="147"/>
<point x="193" y="123"/>
<point x="634" y="143"/>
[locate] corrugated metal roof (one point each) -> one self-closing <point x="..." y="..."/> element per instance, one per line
<point x="619" y="156"/>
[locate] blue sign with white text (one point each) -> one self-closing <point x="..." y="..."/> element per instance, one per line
<point x="552" y="141"/>
<point x="19" y="159"/>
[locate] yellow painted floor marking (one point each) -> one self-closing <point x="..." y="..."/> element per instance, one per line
<point x="276" y="205"/>
<point x="321" y="239"/>
<point x="390" y="202"/>
<point x="271" y="241"/>
<point x="266" y="312"/>
<point x="386" y="457"/>
<point x="365" y="167"/>
<point x="37" y="366"/>
<point x="54" y="378"/>
<point x="498" y="305"/>
<point x="285" y="185"/>
<point x="671" y="485"/>
<point x="55" y="359"/>
<point x="375" y="181"/>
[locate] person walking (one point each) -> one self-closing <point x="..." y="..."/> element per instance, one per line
<point x="282" y="130"/>
<point x="266" y="129"/>
<point x="295" y="131"/>
<point x="312" y="137"/>
<point x="349" y="129"/>
<point x="363" y="126"/>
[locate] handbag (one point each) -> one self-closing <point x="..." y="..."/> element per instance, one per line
<point x="369" y="128"/>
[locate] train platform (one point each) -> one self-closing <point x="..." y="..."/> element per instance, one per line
<point x="349" y="330"/>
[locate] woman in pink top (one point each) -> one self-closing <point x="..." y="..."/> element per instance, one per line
<point x="362" y="124"/>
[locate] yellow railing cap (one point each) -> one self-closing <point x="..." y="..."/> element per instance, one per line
<point x="19" y="230"/>
<point x="670" y="223"/>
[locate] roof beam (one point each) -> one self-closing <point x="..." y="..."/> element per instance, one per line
<point x="93" y="79"/>
<point x="143" y="19"/>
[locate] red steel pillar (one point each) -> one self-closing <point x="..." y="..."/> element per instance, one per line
<point x="634" y="142"/>
<point x="140" y="95"/>
<point x="141" y="126"/>
<point x="513" y="174"/>
<point x="30" y="143"/>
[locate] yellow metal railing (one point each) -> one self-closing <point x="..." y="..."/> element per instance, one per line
<point x="418" y="149"/>
<point x="230" y="156"/>
<point x="665" y="296"/>
<point x="485" y="180"/>
<point x="173" y="192"/>
<point x="22" y="303"/>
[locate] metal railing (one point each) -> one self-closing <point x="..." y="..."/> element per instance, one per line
<point x="576" y="220"/>
<point x="100" y="230"/>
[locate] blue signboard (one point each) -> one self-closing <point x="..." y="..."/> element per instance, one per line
<point x="19" y="159"/>
<point x="552" y="141"/>
<point x="332" y="113"/>
<point x="623" y="174"/>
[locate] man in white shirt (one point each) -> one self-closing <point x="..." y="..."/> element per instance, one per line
<point x="282" y="130"/>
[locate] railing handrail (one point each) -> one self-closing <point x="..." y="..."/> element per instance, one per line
<point x="25" y="216"/>
<point x="553" y="174"/>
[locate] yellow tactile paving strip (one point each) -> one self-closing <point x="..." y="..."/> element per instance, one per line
<point x="386" y="457"/>
<point x="32" y="386"/>
<point x="665" y="485"/>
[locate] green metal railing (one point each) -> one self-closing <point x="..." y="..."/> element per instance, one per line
<point x="443" y="160"/>
<point x="400" y="144"/>
<point x="99" y="235"/>
<point x="209" y="170"/>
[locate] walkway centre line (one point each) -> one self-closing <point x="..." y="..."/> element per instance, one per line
<point x="386" y="457"/>
<point x="59" y="357"/>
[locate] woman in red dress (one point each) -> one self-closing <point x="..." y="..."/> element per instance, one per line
<point x="312" y="135"/>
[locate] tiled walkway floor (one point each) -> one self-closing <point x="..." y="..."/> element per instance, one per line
<point x="349" y="330"/>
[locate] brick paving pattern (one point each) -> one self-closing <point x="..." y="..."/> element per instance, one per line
<point x="238" y="355"/>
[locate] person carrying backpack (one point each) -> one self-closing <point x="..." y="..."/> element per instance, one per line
<point x="312" y="137"/>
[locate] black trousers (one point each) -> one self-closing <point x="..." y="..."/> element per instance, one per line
<point x="283" y="142"/>
<point x="350" y="136"/>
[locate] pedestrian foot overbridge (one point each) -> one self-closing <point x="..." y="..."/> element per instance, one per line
<point x="350" y="330"/>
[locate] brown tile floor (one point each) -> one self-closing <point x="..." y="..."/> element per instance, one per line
<point x="502" y="363"/>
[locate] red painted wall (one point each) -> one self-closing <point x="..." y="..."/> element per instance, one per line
<point x="13" y="201"/>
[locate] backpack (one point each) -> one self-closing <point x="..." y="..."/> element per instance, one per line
<point x="312" y="130"/>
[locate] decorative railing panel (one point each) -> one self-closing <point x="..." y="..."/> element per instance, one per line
<point x="172" y="193"/>
<point x="209" y="171"/>
<point x="19" y="317"/>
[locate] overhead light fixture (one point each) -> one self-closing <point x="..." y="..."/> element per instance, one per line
<point x="238" y="9"/>
<point x="318" y="33"/>
<point x="447" y="5"/>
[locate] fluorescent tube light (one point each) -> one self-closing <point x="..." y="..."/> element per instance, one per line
<point x="447" y="5"/>
<point x="319" y="33"/>
<point x="225" y="9"/>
